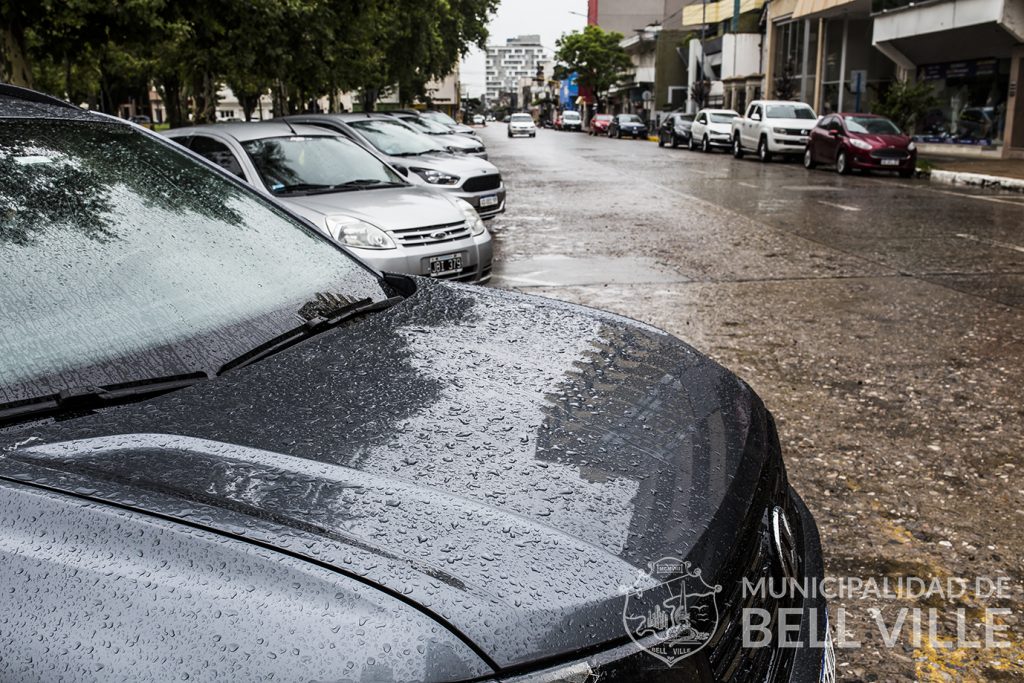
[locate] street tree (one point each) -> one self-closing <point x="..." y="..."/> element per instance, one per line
<point x="597" y="58"/>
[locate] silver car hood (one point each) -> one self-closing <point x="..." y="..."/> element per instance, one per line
<point x="393" y="208"/>
<point x="463" y="166"/>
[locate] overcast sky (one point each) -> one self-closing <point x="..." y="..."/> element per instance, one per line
<point x="549" y="18"/>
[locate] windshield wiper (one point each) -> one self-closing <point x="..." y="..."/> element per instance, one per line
<point x="84" y="399"/>
<point x="311" y="327"/>
<point x="364" y="183"/>
<point x="300" y="187"/>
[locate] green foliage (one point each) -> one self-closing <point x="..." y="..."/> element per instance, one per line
<point x="596" y="57"/>
<point x="906" y="103"/>
<point x="106" y="51"/>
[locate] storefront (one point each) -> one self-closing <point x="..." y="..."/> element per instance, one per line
<point x="972" y="101"/>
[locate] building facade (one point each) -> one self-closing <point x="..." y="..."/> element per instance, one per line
<point x="507" y="64"/>
<point x="625" y="16"/>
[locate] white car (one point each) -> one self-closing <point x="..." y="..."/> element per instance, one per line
<point x="773" y="127"/>
<point x="478" y="120"/>
<point x="521" y="124"/>
<point x="711" y="128"/>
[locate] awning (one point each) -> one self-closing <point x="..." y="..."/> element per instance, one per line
<point x="714" y="12"/>
<point x="807" y="8"/>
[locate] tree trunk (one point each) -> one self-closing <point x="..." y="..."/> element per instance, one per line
<point x="171" y="95"/>
<point x="369" y="99"/>
<point x="14" y="65"/>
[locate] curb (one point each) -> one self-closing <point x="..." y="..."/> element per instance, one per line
<point x="991" y="182"/>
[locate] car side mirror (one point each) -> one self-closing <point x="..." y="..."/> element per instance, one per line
<point x="835" y="133"/>
<point x="401" y="169"/>
<point x="755" y="117"/>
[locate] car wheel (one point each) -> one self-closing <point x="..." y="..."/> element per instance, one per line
<point x="510" y="134"/>
<point x="675" y="141"/>
<point x="618" y="134"/>
<point x="842" y="163"/>
<point x="763" y="153"/>
<point x="705" y="145"/>
<point x="809" y="159"/>
<point x="661" y="140"/>
<point x="690" y="144"/>
<point x="737" y="147"/>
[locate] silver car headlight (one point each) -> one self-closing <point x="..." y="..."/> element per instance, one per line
<point x="860" y="144"/>
<point x="473" y="221"/>
<point x="435" y="177"/>
<point x="353" y="232"/>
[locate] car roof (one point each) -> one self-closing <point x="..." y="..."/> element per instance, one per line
<point x="347" y="117"/>
<point x="23" y="103"/>
<point x="255" y="130"/>
<point x="859" y="115"/>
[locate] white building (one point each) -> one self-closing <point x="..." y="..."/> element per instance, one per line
<point x="506" y="64"/>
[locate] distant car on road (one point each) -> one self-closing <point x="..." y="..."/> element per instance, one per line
<point x="860" y="141"/>
<point x="772" y="127"/>
<point x="627" y="124"/>
<point x="569" y="120"/>
<point x="352" y="196"/>
<point x="479" y="120"/>
<point x="521" y="124"/>
<point x="599" y="124"/>
<point x="476" y="180"/>
<point x="712" y="128"/>
<point x="675" y="129"/>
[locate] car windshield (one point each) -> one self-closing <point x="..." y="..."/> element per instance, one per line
<point x="123" y="259"/>
<point x="519" y="118"/>
<point x="442" y="117"/>
<point x="571" y="115"/>
<point x="426" y="125"/>
<point x="723" y="117"/>
<point x="394" y="138"/>
<point x="629" y="118"/>
<point x="871" y="125"/>
<point x="603" y="117"/>
<point x="310" y="164"/>
<point x="790" y="111"/>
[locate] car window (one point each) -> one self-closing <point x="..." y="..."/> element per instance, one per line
<point x="395" y="138"/>
<point x="425" y="125"/>
<point x="686" y="117"/>
<point x="723" y="117"/>
<point x="315" y="163"/>
<point x="629" y="118"/>
<point x="790" y="111"/>
<point x="871" y="125"/>
<point x="217" y="152"/>
<point x="122" y="259"/>
<point x="518" y="118"/>
<point x="572" y="115"/>
<point x="702" y="118"/>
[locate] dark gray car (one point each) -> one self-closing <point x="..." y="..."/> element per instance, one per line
<point x="426" y="161"/>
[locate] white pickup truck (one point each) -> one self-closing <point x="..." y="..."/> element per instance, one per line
<point x="772" y="127"/>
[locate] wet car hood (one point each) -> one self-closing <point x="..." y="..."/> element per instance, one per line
<point x="389" y="208"/>
<point x="509" y="465"/>
<point x="897" y="141"/>
<point x="459" y="164"/>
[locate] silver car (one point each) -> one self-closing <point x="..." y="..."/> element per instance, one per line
<point x="444" y="135"/>
<point x="353" y="196"/>
<point x="420" y="157"/>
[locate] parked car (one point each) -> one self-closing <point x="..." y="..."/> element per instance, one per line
<point x="352" y="196"/>
<point x="231" y="451"/>
<point x="449" y="139"/>
<point x="675" y="129"/>
<point x="521" y="124"/>
<point x="977" y="123"/>
<point x="142" y="120"/>
<point x="570" y="120"/>
<point x="444" y="119"/>
<point x="772" y="127"/>
<point x="861" y="141"/>
<point x="627" y="124"/>
<point x="419" y="157"/>
<point x="712" y="128"/>
<point x="599" y="124"/>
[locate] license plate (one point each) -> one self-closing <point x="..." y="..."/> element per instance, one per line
<point x="489" y="200"/>
<point x="890" y="162"/>
<point x="445" y="265"/>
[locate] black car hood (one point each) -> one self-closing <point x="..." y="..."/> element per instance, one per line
<point x="506" y="463"/>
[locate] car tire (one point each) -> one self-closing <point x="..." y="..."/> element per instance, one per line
<point x="661" y="140"/>
<point x="690" y="144"/>
<point x="809" y="162"/>
<point x="737" y="147"/>
<point x="705" y="145"/>
<point x="763" y="153"/>
<point x="510" y="134"/>
<point x="675" y="141"/>
<point x="842" y="163"/>
<point x="618" y="134"/>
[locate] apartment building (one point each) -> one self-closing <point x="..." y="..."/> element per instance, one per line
<point x="507" y="64"/>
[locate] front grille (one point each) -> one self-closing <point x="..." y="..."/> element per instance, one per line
<point x="890" y="154"/>
<point x="797" y="131"/>
<point x="481" y="183"/>
<point x="433" y="234"/>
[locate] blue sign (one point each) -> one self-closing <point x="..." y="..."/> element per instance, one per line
<point x="568" y="92"/>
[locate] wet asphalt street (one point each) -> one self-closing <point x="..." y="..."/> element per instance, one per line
<point x="881" y="320"/>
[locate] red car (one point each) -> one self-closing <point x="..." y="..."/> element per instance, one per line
<point x="863" y="141"/>
<point x="599" y="124"/>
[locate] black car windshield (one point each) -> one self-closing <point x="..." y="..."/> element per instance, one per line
<point x="723" y="117"/>
<point x="629" y="118"/>
<point x="790" y="111"/>
<point x="871" y="125"/>
<point x="394" y="138"/>
<point x="309" y="164"/>
<point x="123" y="259"/>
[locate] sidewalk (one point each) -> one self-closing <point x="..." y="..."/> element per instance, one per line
<point x="998" y="174"/>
